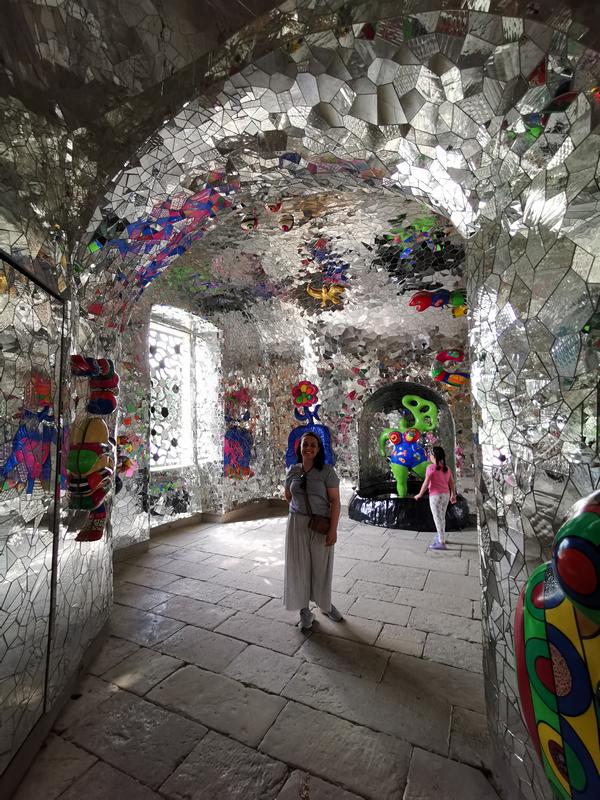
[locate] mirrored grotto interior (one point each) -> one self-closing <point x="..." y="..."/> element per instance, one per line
<point x="214" y="233"/>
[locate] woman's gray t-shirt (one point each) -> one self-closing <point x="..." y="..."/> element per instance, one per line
<point x="317" y="483"/>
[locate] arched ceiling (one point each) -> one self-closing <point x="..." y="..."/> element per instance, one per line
<point x="462" y="108"/>
<point x="362" y="254"/>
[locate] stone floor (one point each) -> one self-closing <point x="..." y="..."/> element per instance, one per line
<point x="207" y="690"/>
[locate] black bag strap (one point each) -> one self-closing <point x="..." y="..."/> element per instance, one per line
<point x="308" y="508"/>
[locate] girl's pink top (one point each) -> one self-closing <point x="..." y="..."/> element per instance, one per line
<point x="439" y="481"/>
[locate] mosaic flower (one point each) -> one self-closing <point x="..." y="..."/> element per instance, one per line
<point x="304" y="393"/>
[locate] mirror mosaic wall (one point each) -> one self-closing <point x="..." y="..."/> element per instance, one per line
<point x="31" y="335"/>
<point x="294" y="188"/>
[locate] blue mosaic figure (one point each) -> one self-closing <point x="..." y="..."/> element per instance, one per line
<point x="304" y="394"/>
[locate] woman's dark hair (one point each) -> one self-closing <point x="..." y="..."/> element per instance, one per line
<point x="319" y="460"/>
<point x="440" y="458"/>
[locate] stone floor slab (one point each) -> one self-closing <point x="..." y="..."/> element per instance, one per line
<point x="301" y="784"/>
<point x="186" y="568"/>
<point x="475" y="567"/>
<point x="460" y="606"/>
<point x="131" y="594"/>
<point x="432" y="776"/>
<point x="274" y="609"/>
<point x="408" y="540"/>
<point x="453" y="651"/>
<point x="181" y="538"/>
<point x="342" y="601"/>
<point x="342" y="565"/>
<point x="263" y="668"/>
<point x="113" y="651"/>
<point x="343" y="584"/>
<point x="150" y="559"/>
<point x="376" y="572"/>
<point x="270" y="570"/>
<point x="445" y="683"/>
<point x="362" y="552"/>
<point x="258" y="630"/>
<point x="57" y="765"/>
<point x="244" y="601"/>
<point x="200" y="590"/>
<point x="271" y="587"/>
<point x="193" y="555"/>
<point x="103" y="781"/>
<point x="230" y="562"/>
<point x="142" y="670"/>
<point x="156" y="548"/>
<point x="375" y="591"/>
<point x="418" y="718"/>
<point x="355" y="628"/>
<point x="90" y="693"/>
<point x="445" y="624"/>
<point x="194" y="612"/>
<point x="372" y="764"/>
<point x="469" y="738"/>
<point x="402" y="640"/>
<point x="152" y="578"/>
<point x="219" y="702"/>
<point x="441" y="562"/>
<point x="204" y="648"/>
<point x="380" y="611"/>
<point x="137" y="737"/>
<point x="345" y="656"/>
<point x="222" y="768"/>
<point x="457" y="585"/>
<point x="141" y="627"/>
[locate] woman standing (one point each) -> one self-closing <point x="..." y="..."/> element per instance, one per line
<point x="439" y="481"/>
<point x="308" y="554"/>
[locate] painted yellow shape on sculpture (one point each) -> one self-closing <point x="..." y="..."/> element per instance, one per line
<point x="326" y="294"/>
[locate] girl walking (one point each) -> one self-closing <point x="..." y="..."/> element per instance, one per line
<point x="439" y="481"/>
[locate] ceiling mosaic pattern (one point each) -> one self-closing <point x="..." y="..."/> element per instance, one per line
<point x="457" y="108"/>
<point x="352" y="252"/>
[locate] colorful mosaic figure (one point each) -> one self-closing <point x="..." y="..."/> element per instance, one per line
<point x="27" y="458"/>
<point x="237" y="449"/>
<point x="557" y="649"/>
<point x="91" y="457"/>
<point x="169" y="230"/>
<point x="441" y="298"/>
<point x="442" y="375"/>
<point x="304" y="395"/>
<point x="407" y="453"/>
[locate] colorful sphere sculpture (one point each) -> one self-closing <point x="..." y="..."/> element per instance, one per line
<point x="557" y="649"/>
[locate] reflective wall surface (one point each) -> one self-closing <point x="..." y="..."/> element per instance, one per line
<point x="31" y="330"/>
<point x="296" y="189"/>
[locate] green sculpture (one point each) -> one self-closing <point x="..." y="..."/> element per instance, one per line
<point x="408" y="454"/>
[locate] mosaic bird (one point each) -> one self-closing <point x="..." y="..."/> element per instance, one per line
<point x="326" y="294"/>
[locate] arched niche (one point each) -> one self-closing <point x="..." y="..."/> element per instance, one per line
<point x="383" y="409"/>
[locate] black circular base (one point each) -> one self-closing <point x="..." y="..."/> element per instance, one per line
<point x="376" y="506"/>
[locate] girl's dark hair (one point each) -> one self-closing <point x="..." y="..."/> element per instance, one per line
<point x="319" y="460"/>
<point x="440" y="458"/>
